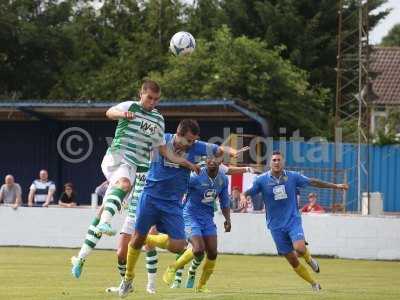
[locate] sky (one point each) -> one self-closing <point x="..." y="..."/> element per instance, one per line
<point x="386" y="24"/>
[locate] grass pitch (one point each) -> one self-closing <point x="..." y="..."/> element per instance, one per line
<point x="39" y="273"/>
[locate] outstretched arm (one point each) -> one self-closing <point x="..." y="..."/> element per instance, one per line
<point x="168" y="154"/>
<point x="120" y="111"/>
<point x="328" y="185"/>
<point x="241" y="170"/>
<point x="230" y="151"/>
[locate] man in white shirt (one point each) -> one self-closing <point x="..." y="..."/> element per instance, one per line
<point x="41" y="191"/>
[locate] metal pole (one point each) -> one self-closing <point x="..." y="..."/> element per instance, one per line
<point x="338" y="93"/>
<point x="359" y="98"/>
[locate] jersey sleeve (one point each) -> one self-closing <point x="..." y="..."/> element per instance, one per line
<point x="255" y="188"/>
<point x="205" y="149"/>
<point x="224" y="199"/>
<point x="301" y="180"/>
<point x="52" y="186"/>
<point x="123" y="106"/>
<point x="160" y="134"/>
<point x="33" y="186"/>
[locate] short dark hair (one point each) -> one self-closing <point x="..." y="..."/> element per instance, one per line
<point x="277" y="152"/>
<point x="187" y="125"/>
<point x="69" y="185"/>
<point x="151" y="85"/>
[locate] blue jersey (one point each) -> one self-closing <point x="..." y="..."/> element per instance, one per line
<point x="279" y="195"/>
<point x="169" y="181"/>
<point x="203" y="192"/>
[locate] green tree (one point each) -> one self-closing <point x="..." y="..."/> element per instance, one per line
<point x="392" y="39"/>
<point x="204" y="17"/>
<point x="243" y="68"/>
<point x="117" y="46"/>
<point x="390" y="134"/>
<point x="33" y="48"/>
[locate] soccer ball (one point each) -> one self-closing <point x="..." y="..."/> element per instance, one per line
<point x="182" y="43"/>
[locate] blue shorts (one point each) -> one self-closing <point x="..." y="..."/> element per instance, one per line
<point x="285" y="237"/>
<point x="197" y="226"/>
<point x="165" y="214"/>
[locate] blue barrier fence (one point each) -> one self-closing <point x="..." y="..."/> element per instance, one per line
<point x="384" y="167"/>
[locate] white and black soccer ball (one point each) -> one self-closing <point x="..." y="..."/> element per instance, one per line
<point x="182" y="43"/>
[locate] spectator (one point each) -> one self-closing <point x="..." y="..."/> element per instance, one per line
<point x="249" y="204"/>
<point x="101" y="190"/>
<point x="243" y="205"/>
<point x="10" y="192"/>
<point x="235" y="198"/>
<point x="312" y="206"/>
<point x="68" y="197"/>
<point x="41" y="191"/>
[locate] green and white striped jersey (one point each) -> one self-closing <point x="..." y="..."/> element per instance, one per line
<point x="132" y="201"/>
<point x="134" y="139"/>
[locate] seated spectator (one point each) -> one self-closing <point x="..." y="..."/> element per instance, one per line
<point x="244" y="205"/>
<point x="10" y="192"/>
<point x="235" y="198"/>
<point x="249" y="205"/>
<point x="41" y="191"/>
<point x="68" y="197"/>
<point x="312" y="206"/>
<point x="101" y="190"/>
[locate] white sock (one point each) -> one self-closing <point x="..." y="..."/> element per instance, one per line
<point x="106" y="217"/>
<point x="151" y="278"/>
<point x="84" y="252"/>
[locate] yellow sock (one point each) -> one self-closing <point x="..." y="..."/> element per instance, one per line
<point x="183" y="259"/>
<point x="208" y="269"/>
<point x="157" y="240"/>
<point x="132" y="258"/>
<point x="302" y="271"/>
<point x="307" y="256"/>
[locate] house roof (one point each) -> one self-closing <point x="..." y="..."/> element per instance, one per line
<point x="385" y="62"/>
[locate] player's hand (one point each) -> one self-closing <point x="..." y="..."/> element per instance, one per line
<point x="15" y="206"/>
<point x="45" y="204"/>
<point x="194" y="168"/>
<point x="342" y="186"/>
<point x="128" y="115"/>
<point x="227" y="226"/>
<point x="252" y="170"/>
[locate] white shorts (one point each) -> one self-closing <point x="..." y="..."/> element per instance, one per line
<point x="114" y="168"/>
<point x="129" y="225"/>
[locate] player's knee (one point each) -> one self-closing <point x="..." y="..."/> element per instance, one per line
<point x="177" y="246"/>
<point x="212" y="255"/>
<point x="300" y="249"/>
<point x="121" y="254"/>
<point x="124" y="184"/>
<point x="137" y="240"/>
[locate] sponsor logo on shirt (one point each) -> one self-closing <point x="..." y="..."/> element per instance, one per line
<point x="209" y="196"/>
<point x="148" y="128"/>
